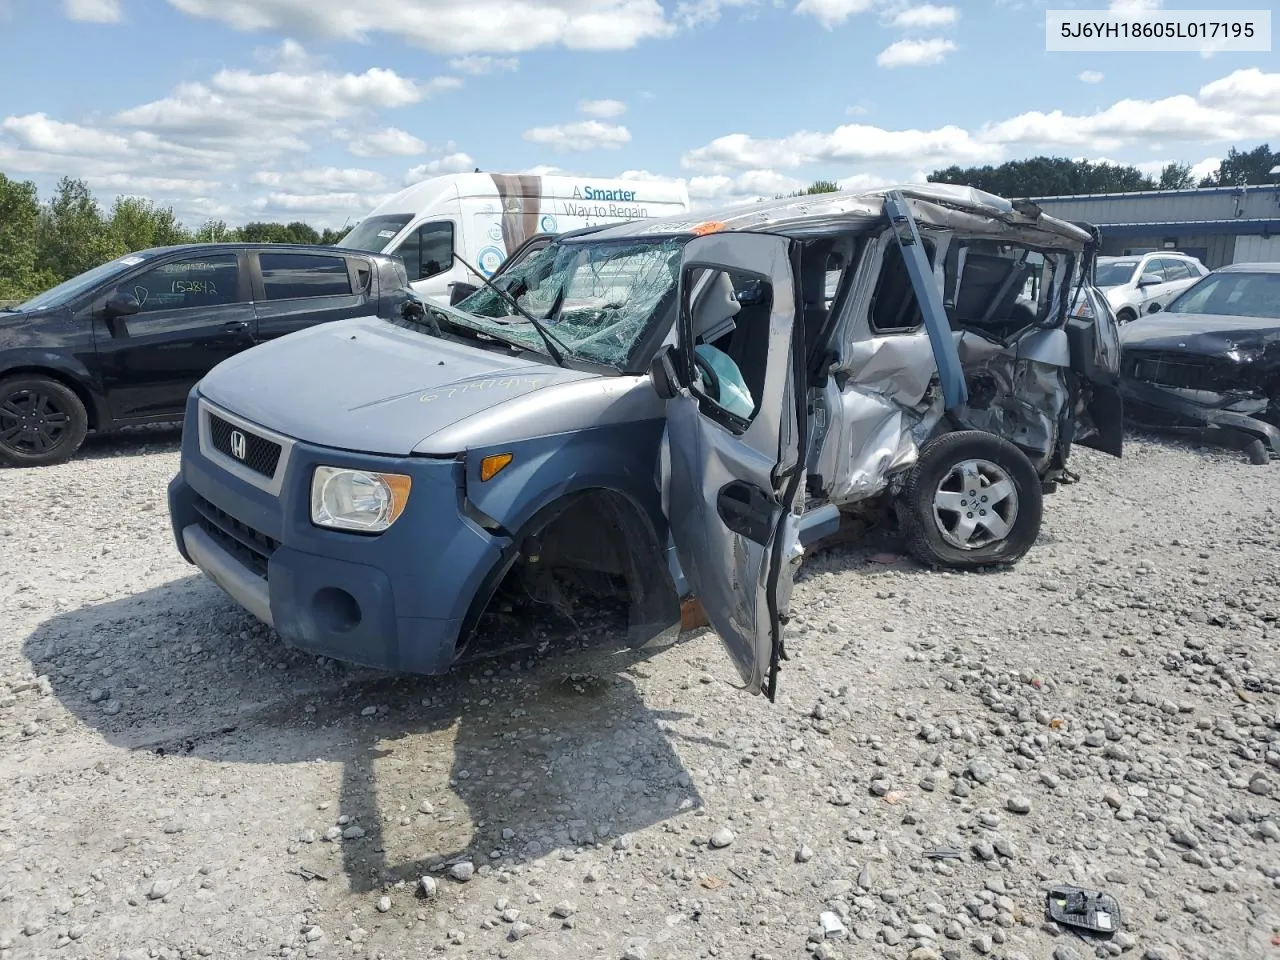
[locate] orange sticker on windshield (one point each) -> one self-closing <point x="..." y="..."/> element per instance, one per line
<point x="710" y="226"/>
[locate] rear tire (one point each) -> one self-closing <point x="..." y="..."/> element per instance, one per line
<point x="972" y="500"/>
<point x="1125" y="316"/>
<point x="42" y="421"/>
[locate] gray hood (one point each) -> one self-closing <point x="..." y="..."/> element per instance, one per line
<point x="369" y="385"/>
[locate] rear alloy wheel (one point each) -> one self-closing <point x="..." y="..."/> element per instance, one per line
<point x="42" y="422"/>
<point x="972" y="500"/>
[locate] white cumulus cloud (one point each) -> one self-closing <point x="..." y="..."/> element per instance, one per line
<point x="925" y="17"/>
<point x="580" y="135"/>
<point x="457" y="162"/>
<point x="320" y="178"/>
<point x="93" y="11"/>
<point x="1090" y="76"/>
<point x="848" y="143"/>
<point x="451" y="26"/>
<point x="478" y="66"/>
<point x="832" y="13"/>
<point x="914" y="53"/>
<point x="387" y="142"/>
<point x="602" y="109"/>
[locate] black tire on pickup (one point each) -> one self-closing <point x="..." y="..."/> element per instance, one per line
<point x="972" y="500"/>
<point x="42" y="421"/>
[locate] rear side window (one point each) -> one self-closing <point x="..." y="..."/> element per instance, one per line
<point x="1177" y="270"/>
<point x="291" y="276"/>
<point x="196" y="282"/>
<point x="894" y="308"/>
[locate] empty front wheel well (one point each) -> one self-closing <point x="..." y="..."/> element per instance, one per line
<point x="67" y="380"/>
<point x="604" y="542"/>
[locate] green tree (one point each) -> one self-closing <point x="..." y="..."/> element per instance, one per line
<point x="19" y="223"/>
<point x="72" y="236"/>
<point x="300" y="232"/>
<point x="819" y="186"/>
<point x="137" y="223"/>
<point x="1244" y="167"/>
<point x="1176" y="176"/>
<point x="261" y="232"/>
<point x="1047" y="176"/>
<point x="331" y="236"/>
<point x="214" y="231"/>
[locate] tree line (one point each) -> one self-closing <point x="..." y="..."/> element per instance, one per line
<point x="44" y="243"/>
<point x="1058" y="176"/>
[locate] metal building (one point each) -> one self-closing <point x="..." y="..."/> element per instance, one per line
<point x="1218" y="225"/>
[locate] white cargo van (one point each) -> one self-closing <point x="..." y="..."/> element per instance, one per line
<point x="484" y="217"/>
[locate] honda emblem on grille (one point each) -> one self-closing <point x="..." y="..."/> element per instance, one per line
<point x="238" y="444"/>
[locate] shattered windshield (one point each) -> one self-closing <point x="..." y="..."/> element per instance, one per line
<point x="1232" y="295"/>
<point x="596" y="298"/>
<point x="1112" y="273"/>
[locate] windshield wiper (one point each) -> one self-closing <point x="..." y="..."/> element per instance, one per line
<point x="546" y="336"/>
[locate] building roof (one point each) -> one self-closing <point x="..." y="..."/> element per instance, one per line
<point x="1189" y="191"/>
<point x="1242" y="225"/>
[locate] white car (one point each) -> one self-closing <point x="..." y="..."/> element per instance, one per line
<point x="1145" y="283"/>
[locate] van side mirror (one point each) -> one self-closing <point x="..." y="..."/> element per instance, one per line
<point x="662" y="371"/>
<point x="460" y="291"/>
<point x="1149" y="280"/>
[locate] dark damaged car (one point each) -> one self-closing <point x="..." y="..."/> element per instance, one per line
<point x="1209" y="365"/>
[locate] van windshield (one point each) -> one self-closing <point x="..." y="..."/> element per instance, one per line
<point x="373" y="235"/>
<point x="597" y="299"/>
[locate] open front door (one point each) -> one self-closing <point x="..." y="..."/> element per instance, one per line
<point x="735" y="431"/>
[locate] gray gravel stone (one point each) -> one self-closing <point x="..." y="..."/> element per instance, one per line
<point x="721" y="838"/>
<point x="462" y="872"/>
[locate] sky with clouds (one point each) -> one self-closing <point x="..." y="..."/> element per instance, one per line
<point x="318" y="109"/>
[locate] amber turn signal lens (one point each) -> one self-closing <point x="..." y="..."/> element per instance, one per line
<point x="491" y="466"/>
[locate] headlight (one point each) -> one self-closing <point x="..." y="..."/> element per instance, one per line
<point x="357" y="499"/>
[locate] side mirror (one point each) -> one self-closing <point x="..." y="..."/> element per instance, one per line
<point x="460" y="291"/>
<point x="412" y="309"/>
<point x="121" y="305"/>
<point x="1148" y="280"/>
<point x="662" y="371"/>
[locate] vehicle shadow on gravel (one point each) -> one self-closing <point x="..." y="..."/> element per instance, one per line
<point x="504" y="759"/>
<point x="133" y="441"/>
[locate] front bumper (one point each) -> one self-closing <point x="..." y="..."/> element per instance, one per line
<point x="1160" y="408"/>
<point x="397" y="601"/>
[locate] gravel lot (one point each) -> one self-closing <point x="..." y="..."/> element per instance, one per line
<point x="178" y="784"/>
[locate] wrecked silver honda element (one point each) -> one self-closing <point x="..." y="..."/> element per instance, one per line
<point x="684" y="404"/>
